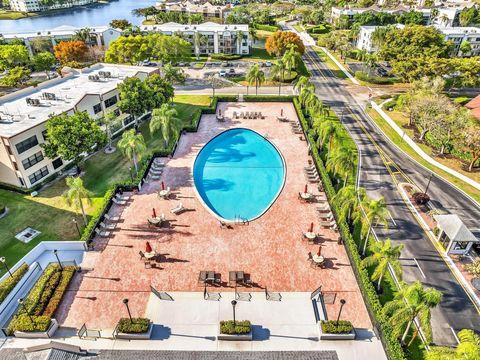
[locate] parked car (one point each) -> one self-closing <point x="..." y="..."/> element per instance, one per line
<point x="222" y="73"/>
<point x="268" y="63"/>
<point x="231" y="71"/>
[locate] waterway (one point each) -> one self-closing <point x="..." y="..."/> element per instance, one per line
<point x="85" y="16"/>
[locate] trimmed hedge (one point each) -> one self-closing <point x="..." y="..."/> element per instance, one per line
<point x="267" y="98"/>
<point x="136" y="326"/>
<point x="363" y="76"/>
<point x="225" y="57"/>
<point x="380" y="321"/>
<point x="330" y="327"/>
<point x="264" y="27"/>
<point x="66" y="277"/>
<point x="11" y="281"/>
<point x="24" y="323"/>
<point x="240" y="327"/>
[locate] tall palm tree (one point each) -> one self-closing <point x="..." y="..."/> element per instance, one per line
<point x="307" y="91"/>
<point x="252" y="31"/>
<point x="255" y="76"/>
<point x="76" y="194"/>
<point x="240" y="36"/>
<point x="83" y="35"/>
<point x="371" y="61"/>
<point x="343" y="162"/>
<point x="348" y="200"/>
<point x="410" y="302"/>
<point x="165" y="119"/>
<point x="290" y="58"/>
<point x="301" y="82"/>
<point x="328" y="130"/>
<point x="132" y="145"/>
<point x="278" y="72"/>
<point x="199" y="40"/>
<point x="383" y="255"/>
<point x="467" y="349"/>
<point x="376" y="213"/>
<point x="109" y="118"/>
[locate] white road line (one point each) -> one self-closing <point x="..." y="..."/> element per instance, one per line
<point x="419" y="268"/>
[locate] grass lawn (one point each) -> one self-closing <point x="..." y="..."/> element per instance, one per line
<point x="258" y="54"/>
<point x="299" y="28"/>
<point x="49" y="214"/>
<point x="263" y="34"/>
<point x="330" y="64"/>
<point x="14" y="15"/>
<point x="392" y="134"/>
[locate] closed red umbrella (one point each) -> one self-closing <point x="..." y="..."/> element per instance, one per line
<point x="163" y="185"/>
<point x="148" y="247"/>
<point x="281" y="112"/>
<point x="154" y="213"/>
<point x="306" y="188"/>
<point x="311" y="227"/>
<point x="319" y="250"/>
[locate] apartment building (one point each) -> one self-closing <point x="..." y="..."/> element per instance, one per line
<point x="38" y="5"/>
<point x="217" y="38"/>
<point x="205" y="9"/>
<point x="23" y="117"/>
<point x="99" y="35"/>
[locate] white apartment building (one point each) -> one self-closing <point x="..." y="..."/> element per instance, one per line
<point x="37" y="6"/>
<point x="455" y="34"/>
<point x="220" y="38"/>
<point x="99" y="35"/>
<point x="205" y="9"/>
<point x="23" y="117"/>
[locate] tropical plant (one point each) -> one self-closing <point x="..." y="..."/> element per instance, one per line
<point x="307" y="91"/>
<point x="83" y="35"/>
<point x="410" y="302"/>
<point x="467" y="349"/>
<point x="278" y="72"/>
<point x="348" y="200"/>
<point x="132" y="145"/>
<point x="376" y="213"/>
<point x="291" y="59"/>
<point x="300" y="83"/>
<point x="76" y="194"/>
<point x="199" y="40"/>
<point x="343" y="162"/>
<point x="255" y="76"/>
<point x="109" y="119"/>
<point x="327" y="130"/>
<point x="474" y="268"/>
<point x="384" y="255"/>
<point x="165" y="119"/>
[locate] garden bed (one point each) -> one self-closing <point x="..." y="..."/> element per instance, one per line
<point x="135" y="329"/>
<point x="11" y="281"/>
<point x="241" y="331"/>
<point x="48" y="333"/>
<point x="330" y="331"/>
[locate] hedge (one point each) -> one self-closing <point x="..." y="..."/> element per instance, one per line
<point x="267" y="98"/>
<point x="363" y="76"/>
<point x="271" y="28"/>
<point x="380" y="321"/>
<point x="240" y="327"/>
<point x="66" y="277"/>
<point x="23" y="322"/>
<point x="134" y="326"/>
<point x="225" y="57"/>
<point x="331" y="327"/>
<point x="11" y="281"/>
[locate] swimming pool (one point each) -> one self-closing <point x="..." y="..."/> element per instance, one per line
<point x="239" y="174"/>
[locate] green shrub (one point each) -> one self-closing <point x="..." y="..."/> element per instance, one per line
<point x="267" y="98"/>
<point x="288" y="77"/>
<point x="35" y="294"/>
<point x="363" y="76"/>
<point x="319" y="29"/>
<point x="225" y="57"/>
<point x="263" y="27"/>
<point x="330" y="327"/>
<point x="2" y="209"/>
<point x="135" y="326"/>
<point x="67" y="275"/>
<point x="23" y="322"/>
<point x="47" y="293"/>
<point x="390" y="104"/>
<point x="241" y="327"/>
<point x="11" y="281"/>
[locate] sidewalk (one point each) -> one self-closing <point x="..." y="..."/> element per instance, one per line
<point x="235" y="90"/>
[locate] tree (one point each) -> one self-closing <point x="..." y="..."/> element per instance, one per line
<point x="44" y="61"/>
<point x="160" y="90"/>
<point x="328" y="130"/>
<point x="255" y="76"/>
<point x="469" y="141"/>
<point x="41" y="44"/>
<point x="280" y="41"/>
<point x="173" y="75"/>
<point x="135" y="97"/>
<point x="121" y="24"/>
<point x="465" y="47"/>
<point x="83" y="35"/>
<point x="71" y="51"/>
<point x="291" y="59"/>
<point x="199" y="40"/>
<point x="379" y="35"/>
<point x="278" y="72"/>
<point x="469" y="16"/>
<point x="300" y="83"/>
<point x="165" y="119"/>
<point x="70" y="136"/>
<point x="343" y="162"/>
<point x="430" y="112"/>
<point x="348" y="200"/>
<point x="132" y="145"/>
<point x="410" y="302"/>
<point x="126" y="50"/>
<point x="16" y="76"/>
<point x="307" y="91"/>
<point x="12" y="56"/>
<point x="252" y="31"/>
<point x="450" y="127"/>
<point x="375" y="213"/>
<point x="109" y="119"/>
<point x="76" y="194"/>
<point x="467" y="349"/>
<point x="145" y="12"/>
<point x="384" y="255"/>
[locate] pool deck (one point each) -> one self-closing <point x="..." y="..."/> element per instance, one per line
<point x="270" y="248"/>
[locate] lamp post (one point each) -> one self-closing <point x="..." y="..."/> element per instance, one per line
<point x="56" y="255"/>
<point x="428" y="184"/>
<point x="20" y="301"/>
<point x="342" y="302"/>
<point x="125" y="301"/>
<point x="4" y="261"/>
<point x="234" y="303"/>
<point x="76" y="225"/>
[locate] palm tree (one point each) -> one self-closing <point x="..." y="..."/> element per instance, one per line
<point x="410" y="302"/>
<point x="83" y="35"/>
<point x="76" y="194"/>
<point x="348" y="200"/>
<point x="376" y="213"/>
<point x="165" y="119"/>
<point x="278" y="72"/>
<point x="371" y="61"/>
<point x="379" y="34"/>
<point x="328" y="130"/>
<point x="467" y="349"/>
<point x="290" y="58"/>
<point x="301" y="82"/>
<point x="343" y="162"/>
<point x="252" y="31"/>
<point x="255" y="76"/>
<point x="383" y="255"/>
<point x="109" y="119"/>
<point x="307" y="91"/>
<point x="132" y="145"/>
<point x="239" y="35"/>
<point x="199" y="40"/>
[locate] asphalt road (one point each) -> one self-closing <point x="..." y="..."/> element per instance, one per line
<point x="382" y="167"/>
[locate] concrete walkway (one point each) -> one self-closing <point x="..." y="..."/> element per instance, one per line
<point x="235" y="90"/>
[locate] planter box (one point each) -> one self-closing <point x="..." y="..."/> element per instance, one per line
<point x="325" y="336"/>
<point x="240" y="337"/>
<point x="38" y="334"/>
<point x="139" y="336"/>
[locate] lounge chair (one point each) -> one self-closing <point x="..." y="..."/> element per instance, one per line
<point x="122" y="197"/>
<point x="142" y="255"/>
<point x="112" y="218"/>
<point x="119" y="202"/>
<point x="323" y="208"/>
<point x="334" y="227"/>
<point x="261" y="115"/>
<point x="328" y="223"/>
<point x="177" y="209"/>
<point x="234" y="116"/>
<point x="102" y="233"/>
<point x="250" y="115"/>
<point x="154" y="177"/>
<point x="155" y="172"/>
<point x="158" y="162"/>
<point x="242" y="115"/>
<point x="107" y="226"/>
<point x="326" y="217"/>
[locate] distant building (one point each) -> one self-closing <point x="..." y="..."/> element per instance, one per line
<point x="38" y="5"/>
<point x="219" y="38"/>
<point x="474" y="106"/>
<point x="192" y="7"/>
<point x="24" y="113"/>
<point x="99" y="35"/>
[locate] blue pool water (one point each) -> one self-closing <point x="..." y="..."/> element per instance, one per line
<point x="239" y="174"/>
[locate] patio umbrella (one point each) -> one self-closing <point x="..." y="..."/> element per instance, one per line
<point x="148" y="247"/>
<point x="219" y="112"/>
<point x="281" y="112"/>
<point x="154" y="213"/>
<point x="311" y="227"/>
<point x="306" y="188"/>
<point x="319" y="250"/>
<point x="163" y="185"/>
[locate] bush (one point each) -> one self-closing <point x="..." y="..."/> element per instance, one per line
<point x="263" y="27"/>
<point x="288" y="77"/>
<point x="66" y="277"/>
<point x="241" y="327"/>
<point x="11" y="281"/>
<point x="24" y="323"/>
<point x="421" y="198"/>
<point x="225" y="57"/>
<point x="474" y="268"/>
<point x="267" y="98"/>
<point x="319" y="29"/>
<point x="135" y="326"/>
<point x="330" y="327"/>
<point x="363" y="76"/>
<point x="390" y="104"/>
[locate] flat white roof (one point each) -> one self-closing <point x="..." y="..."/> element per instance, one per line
<point x="459" y="30"/>
<point x="208" y="26"/>
<point x="68" y="92"/>
<point x="58" y="31"/>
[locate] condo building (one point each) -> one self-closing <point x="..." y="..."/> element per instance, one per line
<point x="38" y="5"/>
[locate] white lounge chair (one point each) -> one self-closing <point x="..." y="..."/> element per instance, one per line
<point x="112" y="218"/>
<point x="122" y="197"/>
<point x="177" y="209"/>
<point x="154" y="177"/>
<point x="107" y="226"/>
<point x="155" y="171"/>
<point x="102" y="233"/>
<point x="328" y="223"/>
<point x="324" y="207"/>
<point x="119" y="202"/>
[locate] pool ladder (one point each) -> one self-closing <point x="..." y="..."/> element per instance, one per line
<point x="241" y="221"/>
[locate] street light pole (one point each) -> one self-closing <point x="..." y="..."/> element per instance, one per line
<point x="234" y="303"/>
<point x="20" y="301"/>
<point x="4" y="261"/>
<point x="125" y="301"/>
<point x="56" y="255"/>
<point x="428" y="184"/>
<point x="76" y="225"/>
<point x="342" y="302"/>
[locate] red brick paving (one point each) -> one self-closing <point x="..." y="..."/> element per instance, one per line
<point x="269" y="248"/>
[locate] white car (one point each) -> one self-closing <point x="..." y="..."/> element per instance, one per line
<point x="222" y="73"/>
<point x="268" y="63"/>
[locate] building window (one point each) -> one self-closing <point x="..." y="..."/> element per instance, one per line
<point x="26" y="144"/>
<point x="97" y="108"/>
<point x="37" y="175"/>
<point x="57" y="163"/>
<point x="44" y="134"/>
<point x="32" y="160"/>
<point x="111" y="101"/>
